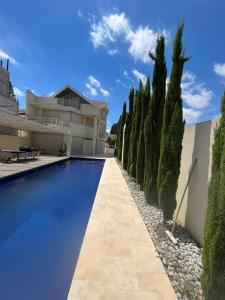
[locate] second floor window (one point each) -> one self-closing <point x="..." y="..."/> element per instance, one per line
<point x="70" y="101"/>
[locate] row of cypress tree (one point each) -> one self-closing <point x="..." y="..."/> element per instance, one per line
<point x="213" y="256"/>
<point x="151" y="132"/>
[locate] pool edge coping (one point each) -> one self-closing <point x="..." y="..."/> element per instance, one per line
<point x="81" y="284"/>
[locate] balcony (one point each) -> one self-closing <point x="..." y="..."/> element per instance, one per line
<point x="53" y="120"/>
<point x="72" y="102"/>
<point x="77" y="129"/>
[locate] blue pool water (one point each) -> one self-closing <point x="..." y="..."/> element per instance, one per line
<point x="43" y="218"/>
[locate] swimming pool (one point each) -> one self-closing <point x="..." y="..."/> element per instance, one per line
<point x="43" y="218"/>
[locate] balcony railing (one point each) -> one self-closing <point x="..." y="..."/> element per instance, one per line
<point x="51" y="120"/>
<point x="72" y="102"/>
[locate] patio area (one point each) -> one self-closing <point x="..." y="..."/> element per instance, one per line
<point x="21" y="166"/>
<point x="118" y="259"/>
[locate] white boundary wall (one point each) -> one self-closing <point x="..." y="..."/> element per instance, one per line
<point x="197" y="143"/>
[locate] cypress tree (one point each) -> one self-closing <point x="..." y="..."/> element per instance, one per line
<point x="213" y="258"/>
<point x="114" y="128"/>
<point x="11" y="92"/>
<point x="172" y="133"/>
<point x="140" y="168"/>
<point x="128" y="129"/>
<point x="130" y="154"/>
<point x="116" y="153"/>
<point x="136" y="131"/>
<point x="153" y="125"/>
<point x="122" y="123"/>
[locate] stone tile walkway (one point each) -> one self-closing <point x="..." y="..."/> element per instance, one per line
<point x="16" y="167"/>
<point x="118" y="259"/>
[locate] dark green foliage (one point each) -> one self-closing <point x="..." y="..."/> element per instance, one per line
<point x="213" y="276"/>
<point x="154" y="121"/>
<point x="172" y="133"/>
<point x="128" y="129"/>
<point x="117" y="139"/>
<point x="114" y="128"/>
<point x="140" y="167"/>
<point x="129" y="162"/>
<point x="135" y="131"/>
<point x="11" y="92"/>
<point x="111" y="140"/>
<point x="119" y="142"/>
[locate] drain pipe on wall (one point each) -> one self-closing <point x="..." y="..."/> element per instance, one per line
<point x="170" y="233"/>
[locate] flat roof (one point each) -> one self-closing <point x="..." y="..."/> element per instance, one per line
<point x="17" y="122"/>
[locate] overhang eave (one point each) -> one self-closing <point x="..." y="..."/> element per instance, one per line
<point x="19" y="123"/>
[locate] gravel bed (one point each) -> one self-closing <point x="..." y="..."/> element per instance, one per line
<point x="181" y="261"/>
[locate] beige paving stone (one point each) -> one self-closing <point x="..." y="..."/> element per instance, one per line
<point x="118" y="259"/>
<point x="86" y="290"/>
<point x="96" y="290"/>
<point x="129" y="294"/>
<point x="16" y="167"/>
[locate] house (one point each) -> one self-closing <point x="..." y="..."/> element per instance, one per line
<point x="67" y="120"/>
<point x="15" y="128"/>
<point x="8" y="102"/>
<point x="67" y="109"/>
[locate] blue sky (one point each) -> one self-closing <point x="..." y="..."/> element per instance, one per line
<point x="101" y="48"/>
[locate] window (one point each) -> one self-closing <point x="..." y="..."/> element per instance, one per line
<point x="89" y="122"/>
<point x="69" y="101"/>
<point x="75" y="118"/>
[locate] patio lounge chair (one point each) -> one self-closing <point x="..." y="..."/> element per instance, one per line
<point x="23" y="155"/>
<point x="7" y="156"/>
<point x="33" y="152"/>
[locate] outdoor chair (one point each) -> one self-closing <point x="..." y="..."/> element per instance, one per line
<point x="33" y="152"/>
<point x="7" y="156"/>
<point x="23" y="154"/>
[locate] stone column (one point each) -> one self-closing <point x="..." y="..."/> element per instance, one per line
<point x="95" y="133"/>
<point x="68" y="141"/>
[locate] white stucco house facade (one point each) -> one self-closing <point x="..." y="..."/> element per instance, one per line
<point x="15" y="128"/>
<point x="83" y="120"/>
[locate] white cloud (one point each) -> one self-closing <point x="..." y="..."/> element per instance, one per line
<point x="104" y="92"/>
<point x="100" y="35"/>
<point x="116" y="25"/>
<point x="122" y="83"/>
<point x="5" y="55"/>
<point x="188" y="79"/>
<point x="126" y="74"/>
<point x="188" y="76"/>
<point x="142" y="41"/>
<point x="112" y="51"/>
<point x="94" y="86"/>
<point x="80" y="14"/>
<point x="94" y="81"/>
<point x="191" y="115"/>
<point x="219" y="69"/>
<point x="139" y="76"/>
<point x="199" y="98"/>
<point x="92" y="90"/>
<point x="194" y="94"/>
<point x="18" y="92"/>
<point x="51" y="94"/>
